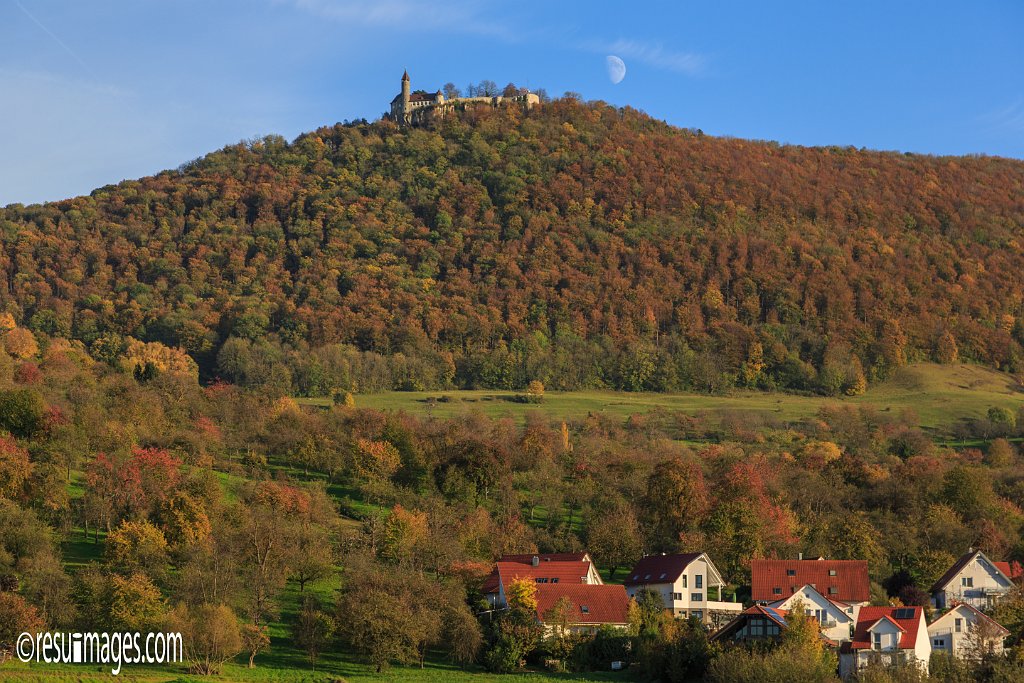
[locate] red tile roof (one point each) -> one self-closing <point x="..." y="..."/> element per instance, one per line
<point x="660" y="568"/>
<point x="605" y="604"/>
<point x="850" y="582"/>
<point x="527" y="558"/>
<point x="869" y="616"/>
<point x="1013" y="570"/>
<point x="569" y="564"/>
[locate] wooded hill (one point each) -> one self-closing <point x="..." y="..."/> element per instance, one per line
<point x="576" y="244"/>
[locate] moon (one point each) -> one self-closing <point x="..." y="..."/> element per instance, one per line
<point x="616" y="69"/>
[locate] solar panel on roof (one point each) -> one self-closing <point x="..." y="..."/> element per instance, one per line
<point x="904" y="613"/>
<point x="775" y="614"/>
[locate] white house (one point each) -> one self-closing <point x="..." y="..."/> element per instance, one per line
<point x="889" y="635"/>
<point x="976" y="580"/>
<point x="963" y="631"/>
<point x="836" y="619"/>
<point x="541" y="568"/>
<point x="684" y="582"/>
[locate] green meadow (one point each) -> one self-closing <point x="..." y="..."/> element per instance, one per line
<point x="940" y="395"/>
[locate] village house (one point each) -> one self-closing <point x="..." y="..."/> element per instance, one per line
<point x="891" y="636"/>
<point x="965" y="632"/>
<point x="976" y="580"/>
<point x="843" y="581"/>
<point x="543" y="569"/>
<point x="686" y="583"/>
<point x="756" y="623"/>
<point x="835" y="618"/>
<point x="590" y="606"/>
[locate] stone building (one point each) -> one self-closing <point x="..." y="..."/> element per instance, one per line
<point x="412" y="108"/>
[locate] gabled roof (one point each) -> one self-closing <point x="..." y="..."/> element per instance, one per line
<point x="839" y="604"/>
<point x="1003" y="568"/>
<point x="776" y="615"/>
<point x="907" y="619"/>
<point x="978" y="613"/>
<point x="660" y="568"/>
<point x="527" y="558"/>
<point x="851" y="583"/>
<point x="604" y="604"/>
<point x="1013" y="570"/>
<point x="546" y="572"/>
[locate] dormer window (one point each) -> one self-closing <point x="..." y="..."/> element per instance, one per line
<point x="790" y="572"/>
<point x="831" y="572"/>
<point x="585" y="609"/>
<point x="776" y="591"/>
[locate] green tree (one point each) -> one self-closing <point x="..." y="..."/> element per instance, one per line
<point x="313" y="630"/>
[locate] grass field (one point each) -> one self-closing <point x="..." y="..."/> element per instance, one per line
<point x="941" y="395"/>
<point x="329" y="670"/>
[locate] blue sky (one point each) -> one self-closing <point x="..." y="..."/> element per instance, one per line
<point x="95" y="91"/>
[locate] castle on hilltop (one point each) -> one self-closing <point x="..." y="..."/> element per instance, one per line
<point x="412" y="108"/>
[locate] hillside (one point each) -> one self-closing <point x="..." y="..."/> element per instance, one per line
<point x="579" y="244"/>
<point x="941" y="396"/>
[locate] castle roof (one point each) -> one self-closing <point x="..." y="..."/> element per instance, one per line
<point x="405" y="75"/>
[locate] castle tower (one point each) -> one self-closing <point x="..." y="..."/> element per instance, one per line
<point x="405" y="92"/>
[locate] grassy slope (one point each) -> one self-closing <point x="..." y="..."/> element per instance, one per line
<point x="940" y="395"/>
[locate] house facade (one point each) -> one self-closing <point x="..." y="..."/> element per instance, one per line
<point x="845" y="581"/>
<point x="684" y="582"/>
<point x="757" y="623"/>
<point x="836" y="619"/>
<point x="976" y="580"/>
<point x="965" y="632"/>
<point x="891" y="636"/>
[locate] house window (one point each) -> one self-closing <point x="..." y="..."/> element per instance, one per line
<point x="790" y="572"/>
<point x="698" y="581"/>
<point x="833" y="590"/>
<point x="776" y="591"/>
<point x="967" y="582"/>
<point x="541" y="580"/>
<point x="757" y="627"/>
<point x="939" y="643"/>
<point x="554" y="580"/>
<point x="696" y="597"/>
<point x="958" y="625"/>
<point x="684" y="580"/>
<point x="877" y="641"/>
<point x="831" y="572"/>
<point x="646" y="577"/>
<point x="677" y="596"/>
<point x="662" y="576"/>
<point x="585" y="609"/>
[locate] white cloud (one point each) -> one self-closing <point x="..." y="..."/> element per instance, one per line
<point x="1006" y="119"/>
<point x="653" y="54"/>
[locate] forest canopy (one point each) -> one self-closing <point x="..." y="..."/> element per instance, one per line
<point x="575" y="244"/>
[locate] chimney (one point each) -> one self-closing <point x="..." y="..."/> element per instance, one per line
<point x="536" y="561"/>
<point x="800" y="556"/>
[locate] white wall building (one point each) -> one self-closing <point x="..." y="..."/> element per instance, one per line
<point x="684" y="582"/>
<point x="965" y="632"/>
<point x="974" y="579"/>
